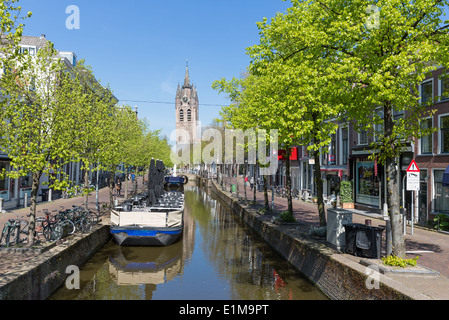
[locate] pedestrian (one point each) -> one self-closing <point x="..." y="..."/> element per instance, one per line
<point x="133" y="177"/>
<point x="246" y="181"/>
<point x="251" y="183"/>
<point x="118" y="186"/>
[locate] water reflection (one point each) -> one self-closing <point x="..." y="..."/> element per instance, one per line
<point x="134" y="266"/>
<point x="217" y="258"/>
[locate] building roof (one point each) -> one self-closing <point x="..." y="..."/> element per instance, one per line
<point x="33" y="41"/>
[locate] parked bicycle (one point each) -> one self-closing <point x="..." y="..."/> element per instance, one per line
<point x="14" y="232"/>
<point x="49" y="226"/>
<point x="295" y="194"/>
<point x="82" y="218"/>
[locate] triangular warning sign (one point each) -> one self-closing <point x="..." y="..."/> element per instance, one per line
<point x="413" y="167"/>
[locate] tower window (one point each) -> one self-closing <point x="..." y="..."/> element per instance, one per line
<point x="181" y="115"/>
<point x="189" y="115"/>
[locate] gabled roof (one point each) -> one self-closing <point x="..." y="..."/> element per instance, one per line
<point x="33" y="41"/>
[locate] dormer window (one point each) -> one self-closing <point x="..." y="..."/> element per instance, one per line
<point x="28" y="50"/>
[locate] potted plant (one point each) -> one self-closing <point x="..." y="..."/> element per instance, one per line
<point x="347" y="198"/>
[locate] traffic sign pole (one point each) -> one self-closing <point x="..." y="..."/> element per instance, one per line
<point x="413" y="184"/>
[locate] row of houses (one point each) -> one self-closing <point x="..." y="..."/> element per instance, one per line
<point x="14" y="192"/>
<point x="346" y="158"/>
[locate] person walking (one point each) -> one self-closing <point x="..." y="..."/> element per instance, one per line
<point x="251" y="183"/>
<point x="118" y="186"/>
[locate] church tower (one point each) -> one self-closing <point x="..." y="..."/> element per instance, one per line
<point x="187" y="112"/>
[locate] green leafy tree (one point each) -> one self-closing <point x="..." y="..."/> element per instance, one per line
<point x="378" y="52"/>
<point x="35" y="120"/>
<point x="92" y="103"/>
<point x="11" y="28"/>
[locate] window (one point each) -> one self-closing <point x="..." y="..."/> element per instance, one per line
<point x="441" y="193"/>
<point x="378" y="126"/>
<point x="444" y="134"/>
<point x="3" y="183"/>
<point x="398" y="114"/>
<point x="444" y="89"/>
<point x="189" y="115"/>
<point x="363" y="137"/>
<point x="332" y="149"/>
<point x="426" y="92"/>
<point x="181" y="115"/>
<point x="426" y="141"/>
<point x="344" y="146"/>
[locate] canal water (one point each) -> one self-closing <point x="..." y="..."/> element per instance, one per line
<point x="217" y="259"/>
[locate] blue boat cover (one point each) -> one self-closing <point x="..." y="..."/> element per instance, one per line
<point x="144" y="233"/>
<point x="174" y="180"/>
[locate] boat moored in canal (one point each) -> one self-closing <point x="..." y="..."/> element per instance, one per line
<point x="155" y="218"/>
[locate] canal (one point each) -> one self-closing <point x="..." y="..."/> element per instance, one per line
<point x="217" y="259"/>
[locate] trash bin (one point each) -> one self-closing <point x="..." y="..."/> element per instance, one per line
<point x="363" y="241"/>
<point x="233" y="188"/>
<point x="335" y="233"/>
<point x="44" y="193"/>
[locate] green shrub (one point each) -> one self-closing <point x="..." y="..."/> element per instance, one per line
<point x="395" y="261"/>
<point x="287" y="217"/>
<point x="346" y="192"/>
<point x="442" y="221"/>
<point x="318" y="231"/>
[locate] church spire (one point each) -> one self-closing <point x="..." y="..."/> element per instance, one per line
<point x="187" y="77"/>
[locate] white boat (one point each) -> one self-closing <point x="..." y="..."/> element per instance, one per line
<point x="154" y="218"/>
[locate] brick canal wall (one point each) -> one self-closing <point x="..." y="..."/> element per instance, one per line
<point x="41" y="276"/>
<point x="337" y="276"/>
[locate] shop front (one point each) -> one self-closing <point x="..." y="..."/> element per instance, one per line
<point x="367" y="184"/>
<point x="4" y="181"/>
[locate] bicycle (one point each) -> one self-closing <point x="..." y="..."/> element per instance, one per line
<point x="295" y="194"/>
<point x="14" y="232"/>
<point x="81" y="217"/>
<point x="53" y="227"/>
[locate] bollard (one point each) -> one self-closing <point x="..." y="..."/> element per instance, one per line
<point x="25" y="200"/>
<point x="1" y="204"/>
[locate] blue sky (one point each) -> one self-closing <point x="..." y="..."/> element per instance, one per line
<point x="140" y="47"/>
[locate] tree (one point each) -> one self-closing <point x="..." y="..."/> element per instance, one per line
<point x="36" y="119"/>
<point x="378" y="52"/>
<point x="288" y="94"/>
<point x="10" y="30"/>
<point x="247" y="111"/>
<point x="92" y="103"/>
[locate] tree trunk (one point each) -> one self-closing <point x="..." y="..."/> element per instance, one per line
<point x="319" y="188"/>
<point x="265" y="193"/>
<point x="254" y="185"/>
<point x="392" y="196"/>
<point x="237" y="179"/>
<point x="135" y="184"/>
<point x="289" y="182"/>
<point x="126" y="184"/>
<point x="111" y="188"/>
<point x="244" y="179"/>
<point x="32" y="223"/>
<point x="86" y="186"/>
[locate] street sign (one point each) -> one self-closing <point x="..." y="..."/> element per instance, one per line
<point x="413" y="167"/>
<point x="413" y="180"/>
<point x="413" y="177"/>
